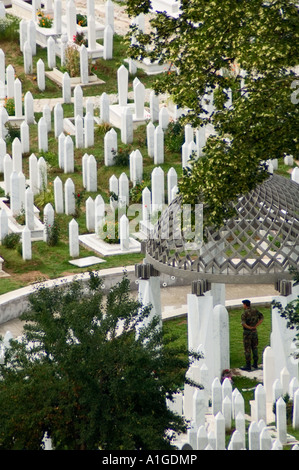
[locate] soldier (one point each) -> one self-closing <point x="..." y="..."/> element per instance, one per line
<point x="250" y="320"/>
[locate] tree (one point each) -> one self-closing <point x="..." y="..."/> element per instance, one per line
<point x="291" y="310"/>
<point x="84" y="376"/>
<point x="212" y="49"/>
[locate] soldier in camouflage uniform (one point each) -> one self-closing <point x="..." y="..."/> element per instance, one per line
<point x="250" y="319"/>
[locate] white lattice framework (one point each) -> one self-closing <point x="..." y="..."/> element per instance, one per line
<point x="259" y="245"/>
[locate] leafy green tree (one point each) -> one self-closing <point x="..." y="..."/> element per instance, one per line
<point x="83" y="375"/>
<point x="291" y="311"/>
<point x="249" y="48"/>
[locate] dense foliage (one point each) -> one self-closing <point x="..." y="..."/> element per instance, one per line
<point x="290" y="311"/>
<point x="248" y="49"/>
<point x="93" y="372"/>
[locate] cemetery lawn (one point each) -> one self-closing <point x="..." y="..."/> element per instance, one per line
<point x="177" y="328"/>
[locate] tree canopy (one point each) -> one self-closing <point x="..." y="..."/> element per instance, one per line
<point x="242" y="54"/>
<point x="291" y="311"/>
<point x="92" y="372"/>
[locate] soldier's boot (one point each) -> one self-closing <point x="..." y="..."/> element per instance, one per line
<point x="255" y="365"/>
<point x="247" y="367"/>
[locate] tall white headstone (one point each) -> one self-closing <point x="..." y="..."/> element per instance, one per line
<point x="83" y="64"/>
<point x="124" y="233"/>
<point x="122" y="83"/>
<point x="159" y="145"/>
<point x="58" y="119"/>
<point x="42" y="135"/>
<point x="89" y="130"/>
<point x="29" y="107"/>
<point x="26" y="244"/>
<point x="110" y="146"/>
<point x="127" y="125"/>
<point x="74" y="238"/>
<point x="69" y="197"/>
<point x="25" y="138"/>
<point x="58" y="195"/>
<point x="91" y="176"/>
<point x="68" y="155"/>
<point x="29" y="208"/>
<point x="66" y="88"/>
<point x="27" y="58"/>
<point x="108" y="43"/>
<point x="79" y="132"/>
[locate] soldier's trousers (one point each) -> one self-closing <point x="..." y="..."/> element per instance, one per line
<point x="250" y="341"/>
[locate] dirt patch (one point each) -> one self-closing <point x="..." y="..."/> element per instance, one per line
<point x="30" y="277"/>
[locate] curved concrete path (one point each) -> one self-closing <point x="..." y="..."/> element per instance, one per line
<point x="173" y="300"/>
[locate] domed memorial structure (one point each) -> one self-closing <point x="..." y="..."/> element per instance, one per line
<point x="258" y="245"/>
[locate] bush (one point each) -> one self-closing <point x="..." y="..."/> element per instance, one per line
<point x="9" y="105"/>
<point x="121" y="156"/>
<point x="11" y="240"/>
<point x="81" y="19"/>
<point x="53" y="233"/>
<point x="9" y="28"/>
<point x="174" y="137"/>
<point x="44" y="21"/>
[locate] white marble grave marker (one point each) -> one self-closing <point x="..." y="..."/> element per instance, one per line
<point x="58" y="195"/>
<point x="29" y="208"/>
<point x="110" y="146"/>
<point x="89" y="130"/>
<point x="25" y="139"/>
<point x="42" y="135"/>
<point x="159" y="145"/>
<point x="27" y="58"/>
<point x="26" y="244"/>
<point x="122" y="82"/>
<point x="91" y="174"/>
<point x="68" y="155"/>
<point x="69" y="197"/>
<point x="74" y="238"/>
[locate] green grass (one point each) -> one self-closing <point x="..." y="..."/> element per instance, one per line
<point x="177" y="328"/>
<point x="236" y="336"/>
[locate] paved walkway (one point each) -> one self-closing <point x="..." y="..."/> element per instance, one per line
<point x="174" y="302"/>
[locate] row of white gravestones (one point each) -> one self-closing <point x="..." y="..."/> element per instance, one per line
<point x="89" y="173"/>
<point x="155" y="196"/>
<point x="71" y="23"/>
<point x="38" y="177"/>
<point x="228" y="404"/>
<point x="28" y="108"/>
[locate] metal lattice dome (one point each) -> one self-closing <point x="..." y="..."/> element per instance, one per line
<point x="258" y="245"/>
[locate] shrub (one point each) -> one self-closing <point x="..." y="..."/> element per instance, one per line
<point x="9" y="105"/>
<point x="13" y="132"/>
<point x="43" y="20"/>
<point x="79" y="39"/>
<point x="72" y="61"/>
<point x="9" y="28"/>
<point x="174" y="137"/>
<point x="53" y="232"/>
<point x="81" y="19"/>
<point x="11" y="240"/>
<point x="112" y="233"/>
<point x="121" y="156"/>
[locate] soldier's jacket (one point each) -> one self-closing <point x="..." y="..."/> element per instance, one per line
<point x="251" y="316"/>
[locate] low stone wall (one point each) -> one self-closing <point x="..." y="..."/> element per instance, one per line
<point x="14" y="303"/>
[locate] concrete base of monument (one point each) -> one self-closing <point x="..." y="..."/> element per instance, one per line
<point x="150" y="68"/>
<point x="37" y="232"/>
<point x="93" y="242"/>
<point x="57" y="77"/>
<point x="87" y="261"/>
<point x="69" y="124"/>
<point x="116" y="112"/>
